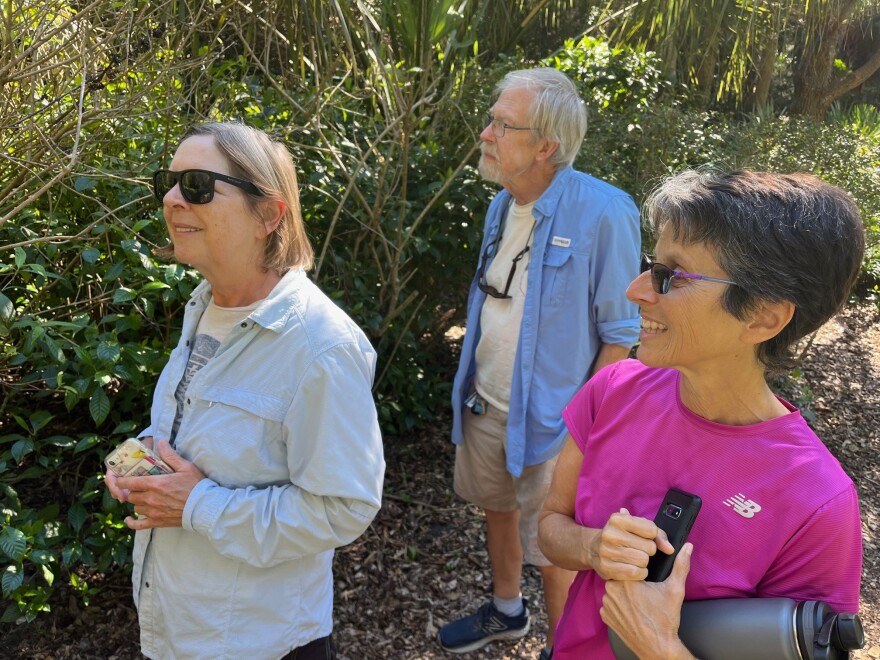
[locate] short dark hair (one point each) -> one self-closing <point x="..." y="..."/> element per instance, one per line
<point x="780" y="237"/>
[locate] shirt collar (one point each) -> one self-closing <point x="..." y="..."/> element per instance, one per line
<point x="274" y="312"/>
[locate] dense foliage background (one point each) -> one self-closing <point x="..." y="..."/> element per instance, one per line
<point x="380" y="103"/>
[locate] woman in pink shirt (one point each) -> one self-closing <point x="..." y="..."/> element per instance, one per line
<point x="746" y="264"/>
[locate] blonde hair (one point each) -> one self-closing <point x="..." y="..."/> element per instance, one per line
<point x="255" y="156"/>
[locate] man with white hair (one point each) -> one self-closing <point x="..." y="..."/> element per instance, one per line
<point x="546" y="310"/>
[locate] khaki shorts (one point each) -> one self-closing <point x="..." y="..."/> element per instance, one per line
<point x="481" y="477"/>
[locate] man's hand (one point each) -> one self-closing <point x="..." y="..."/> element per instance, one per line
<point x="158" y="500"/>
<point x="623" y="547"/>
<point x="646" y="615"/>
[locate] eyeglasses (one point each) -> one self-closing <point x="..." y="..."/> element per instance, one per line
<point x="487" y="288"/>
<point x="196" y="186"/>
<point x="662" y="276"/>
<point x="498" y="126"/>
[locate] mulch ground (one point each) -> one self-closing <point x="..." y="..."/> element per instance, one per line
<point x="423" y="561"/>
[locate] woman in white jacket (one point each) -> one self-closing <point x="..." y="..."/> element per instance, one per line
<point x="265" y="413"/>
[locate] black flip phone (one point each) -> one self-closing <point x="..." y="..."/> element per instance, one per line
<point x="675" y="517"/>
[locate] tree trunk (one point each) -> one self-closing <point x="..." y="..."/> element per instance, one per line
<point x="815" y="85"/>
<point x="757" y="88"/>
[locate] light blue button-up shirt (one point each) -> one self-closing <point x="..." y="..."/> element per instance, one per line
<point x="588" y="242"/>
<point x="282" y="422"/>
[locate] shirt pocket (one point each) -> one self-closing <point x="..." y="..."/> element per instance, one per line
<point x="239" y="436"/>
<point x="554" y="281"/>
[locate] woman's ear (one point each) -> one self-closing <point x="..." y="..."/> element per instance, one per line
<point x="272" y="212"/>
<point x="768" y="321"/>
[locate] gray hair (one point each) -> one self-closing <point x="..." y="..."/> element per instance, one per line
<point x="557" y="113"/>
<point x="780" y="237"/>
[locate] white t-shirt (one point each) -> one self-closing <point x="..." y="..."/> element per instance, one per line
<point x="500" y="318"/>
<point x="215" y="324"/>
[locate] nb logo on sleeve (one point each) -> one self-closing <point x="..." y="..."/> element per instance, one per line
<point x="745" y="508"/>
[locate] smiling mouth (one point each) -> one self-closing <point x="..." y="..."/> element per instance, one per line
<point x="652" y="327"/>
<point x="186" y="230"/>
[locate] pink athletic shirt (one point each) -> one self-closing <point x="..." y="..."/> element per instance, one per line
<point x="780" y="518"/>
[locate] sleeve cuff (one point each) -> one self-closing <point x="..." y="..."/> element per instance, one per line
<point x="202" y="507"/>
<point x="623" y="333"/>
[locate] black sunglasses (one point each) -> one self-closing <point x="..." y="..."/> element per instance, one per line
<point x="196" y="186"/>
<point x="662" y="276"/>
<point x="487" y="288"/>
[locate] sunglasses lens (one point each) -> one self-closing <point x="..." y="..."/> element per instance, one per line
<point x="662" y="276"/>
<point x="197" y="187"/>
<point x="163" y="181"/>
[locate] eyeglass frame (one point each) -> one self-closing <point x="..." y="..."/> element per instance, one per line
<point x="495" y="123"/>
<point x="487" y="288"/>
<point x="247" y="186"/>
<point x="661" y="286"/>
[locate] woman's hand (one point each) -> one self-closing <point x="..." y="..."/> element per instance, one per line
<point x="622" y="548"/>
<point x="646" y="615"/>
<point x="158" y="500"/>
<point x="110" y="477"/>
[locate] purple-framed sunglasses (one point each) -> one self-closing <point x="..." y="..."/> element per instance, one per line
<point x="662" y="276"/>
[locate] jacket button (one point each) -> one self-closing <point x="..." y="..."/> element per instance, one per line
<point x="244" y="325"/>
<point x="147" y="585"/>
<point x="188" y="402"/>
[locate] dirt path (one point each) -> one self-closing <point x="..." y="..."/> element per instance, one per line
<point x="843" y="372"/>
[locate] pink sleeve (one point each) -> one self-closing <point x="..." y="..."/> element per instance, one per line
<point x="823" y="560"/>
<point x="581" y="411"/>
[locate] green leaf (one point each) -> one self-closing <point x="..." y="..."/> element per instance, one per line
<point x="12" y="437"/>
<point x="84" y="183"/>
<point x="20" y="257"/>
<point x="22" y="448"/>
<point x="41" y="557"/>
<point x="60" y="441"/>
<point x="13" y="543"/>
<point x="52" y="349"/>
<point x="39" y="419"/>
<point x="123" y="294"/>
<point x="87" y="442"/>
<point x="10" y="614"/>
<point x="99" y="406"/>
<point x="77" y="516"/>
<point x="7" y="309"/>
<point x="125" y="427"/>
<point x="12" y="579"/>
<point x="120" y="554"/>
<point x="71" y="397"/>
<point x="173" y="273"/>
<point x="114" y="271"/>
<point x="108" y="352"/>
<point x="48" y="575"/>
<point x="72" y="554"/>
<point x="90" y="255"/>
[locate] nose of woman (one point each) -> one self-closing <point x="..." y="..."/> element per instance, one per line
<point x="640" y="291"/>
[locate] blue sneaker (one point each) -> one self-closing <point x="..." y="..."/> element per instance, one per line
<point x="483" y="626"/>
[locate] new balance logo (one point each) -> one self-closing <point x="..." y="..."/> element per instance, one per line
<point x="493" y="625"/>
<point x="745" y="508"/>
